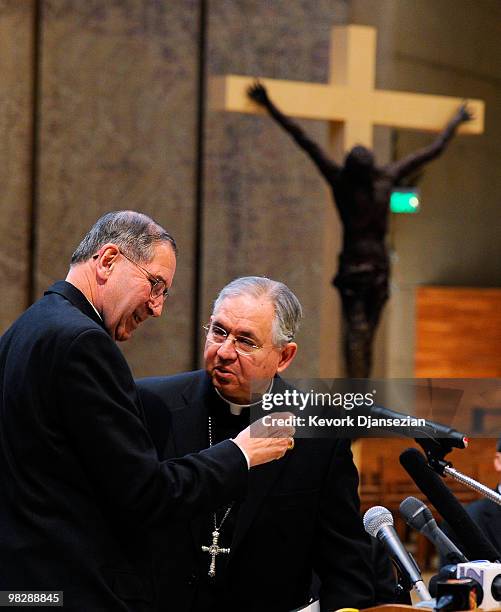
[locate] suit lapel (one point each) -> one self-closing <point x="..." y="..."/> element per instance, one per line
<point x="261" y="480"/>
<point x="491" y="521"/>
<point x="77" y="298"/>
<point x="190" y="420"/>
<point x="191" y="434"/>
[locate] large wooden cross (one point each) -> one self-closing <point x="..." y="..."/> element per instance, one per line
<point x="352" y="105"/>
<point x="349" y="101"/>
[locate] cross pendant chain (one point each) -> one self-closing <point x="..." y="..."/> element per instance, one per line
<point x="213" y="551"/>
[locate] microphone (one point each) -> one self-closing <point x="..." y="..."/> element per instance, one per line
<point x="378" y="522"/>
<point x="417" y="515"/>
<point x="472" y="539"/>
<point x="430" y="429"/>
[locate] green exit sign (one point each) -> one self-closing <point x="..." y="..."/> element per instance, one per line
<point x="404" y="201"/>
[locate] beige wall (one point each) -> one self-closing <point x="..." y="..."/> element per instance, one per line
<point x="16" y="116"/>
<point x="451" y="48"/>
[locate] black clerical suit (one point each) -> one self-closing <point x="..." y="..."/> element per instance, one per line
<point x="487" y="515"/>
<point x="80" y="480"/>
<point x="301" y="513"/>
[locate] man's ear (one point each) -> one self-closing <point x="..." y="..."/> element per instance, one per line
<point x="287" y="354"/>
<point x="105" y="260"/>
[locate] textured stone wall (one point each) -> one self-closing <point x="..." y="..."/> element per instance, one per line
<point x="118" y="111"/>
<point x="16" y="76"/>
<point x="265" y="202"/>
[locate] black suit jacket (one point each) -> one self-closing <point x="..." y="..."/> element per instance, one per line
<point x="301" y="513"/>
<point x="487" y="516"/>
<point x="80" y="480"/>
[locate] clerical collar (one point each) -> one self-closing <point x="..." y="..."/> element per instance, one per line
<point x="236" y="409"/>
<point x="93" y="307"/>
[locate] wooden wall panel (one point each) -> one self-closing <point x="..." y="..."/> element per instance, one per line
<point x="458" y="336"/>
<point x="118" y="112"/>
<point x="458" y="332"/>
<point x="385" y="482"/>
<point x="16" y="90"/>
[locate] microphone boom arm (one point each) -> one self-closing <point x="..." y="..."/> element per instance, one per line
<point x="436" y="449"/>
<point x="472" y="483"/>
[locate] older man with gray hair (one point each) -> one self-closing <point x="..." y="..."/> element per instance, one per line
<point x="299" y="515"/>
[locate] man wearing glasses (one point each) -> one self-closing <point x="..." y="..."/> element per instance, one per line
<point x="299" y="514"/>
<point x="80" y="480"/>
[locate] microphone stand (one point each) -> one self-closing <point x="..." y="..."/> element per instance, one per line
<point x="403" y="585"/>
<point x="436" y="449"/>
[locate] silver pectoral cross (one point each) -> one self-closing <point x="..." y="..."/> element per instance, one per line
<point x="213" y="551"/>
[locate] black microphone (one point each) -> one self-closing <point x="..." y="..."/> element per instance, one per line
<point x="417" y="515"/>
<point x="378" y="522"/>
<point x="473" y="540"/>
<point x="430" y="429"/>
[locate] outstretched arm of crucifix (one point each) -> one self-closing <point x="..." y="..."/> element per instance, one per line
<point x="415" y="160"/>
<point x="327" y="166"/>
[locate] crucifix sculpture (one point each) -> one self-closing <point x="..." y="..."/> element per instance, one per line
<point x="352" y="105"/>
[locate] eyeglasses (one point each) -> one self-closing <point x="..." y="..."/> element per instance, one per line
<point x="242" y="344"/>
<point x="158" y="286"/>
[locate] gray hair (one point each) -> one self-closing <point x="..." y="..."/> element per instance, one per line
<point x="134" y="233"/>
<point x="288" y="311"/>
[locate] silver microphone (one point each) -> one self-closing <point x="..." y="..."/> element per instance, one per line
<point x="378" y="522"/>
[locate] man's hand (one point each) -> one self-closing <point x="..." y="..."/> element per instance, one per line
<point x="264" y="443"/>
<point x="464" y="114"/>
<point x="258" y="93"/>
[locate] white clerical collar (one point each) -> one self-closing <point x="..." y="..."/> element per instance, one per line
<point x="93" y="307"/>
<point x="236" y="409"/>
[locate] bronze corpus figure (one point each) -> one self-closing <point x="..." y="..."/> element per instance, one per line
<point x="361" y="193"/>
